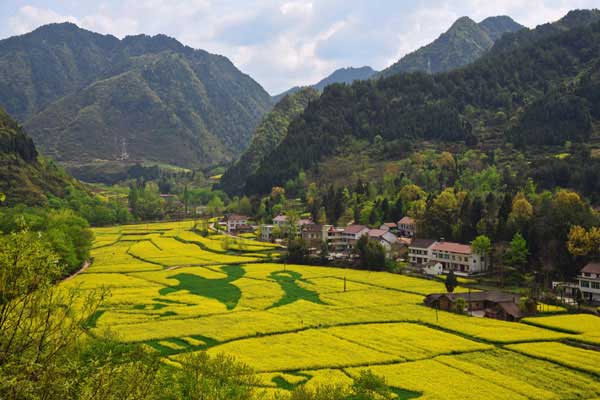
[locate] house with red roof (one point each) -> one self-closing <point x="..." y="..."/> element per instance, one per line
<point x="407" y="227"/>
<point x="456" y="257"/>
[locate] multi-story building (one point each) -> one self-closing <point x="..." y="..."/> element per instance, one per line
<point x="589" y="282"/>
<point x="459" y="258"/>
<point x="314" y="234"/>
<point x="419" y="251"/>
<point x="407" y="227"/>
<point x="335" y="240"/>
<point x="352" y="233"/>
<point x="234" y="222"/>
<point x="452" y="256"/>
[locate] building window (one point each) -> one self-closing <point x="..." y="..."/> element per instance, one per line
<point x="595" y="285"/>
<point x="584" y="284"/>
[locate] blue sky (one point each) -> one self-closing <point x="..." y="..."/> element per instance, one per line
<point x="282" y="43"/>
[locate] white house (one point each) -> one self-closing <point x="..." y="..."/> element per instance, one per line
<point x="452" y="256"/>
<point x="459" y="258"/>
<point x="589" y="282"/>
<point x="234" y="222"/>
<point x="433" y="268"/>
<point x="352" y="233"/>
<point x="407" y="226"/>
<point x="384" y="237"/>
<point x="419" y="251"/>
<point x="266" y="232"/>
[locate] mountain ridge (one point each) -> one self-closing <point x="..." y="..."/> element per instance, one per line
<point x="464" y="42"/>
<point x="205" y="106"/>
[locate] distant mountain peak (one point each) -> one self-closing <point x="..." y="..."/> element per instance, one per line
<point x="340" y="75"/>
<point x="464" y="42"/>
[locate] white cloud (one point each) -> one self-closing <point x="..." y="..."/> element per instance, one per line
<point x="28" y="18"/>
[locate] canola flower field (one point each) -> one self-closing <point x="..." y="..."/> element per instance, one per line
<point x="175" y="292"/>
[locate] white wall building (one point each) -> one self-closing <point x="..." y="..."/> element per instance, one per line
<point x="589" y="282"/>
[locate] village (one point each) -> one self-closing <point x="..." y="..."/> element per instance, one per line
<point x="426" y="257"/>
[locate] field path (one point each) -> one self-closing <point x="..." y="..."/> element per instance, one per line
<point x="79" y="271"/>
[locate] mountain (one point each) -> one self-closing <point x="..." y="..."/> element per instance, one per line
<point x="573" y="19"/>
<point x="84" y="96"/>
<point x="24" y="177"/>
<point x="463" y="43"/>
<point x="267" y="137"/>
<point x="342" y="75"/>
<point x="541" y="94"/>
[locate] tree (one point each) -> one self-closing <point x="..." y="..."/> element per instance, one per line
<point x="297" y="251"/>
<point x="215" y="206"/>
<point x="583" y="243"/>
<point x="482" y="245"/>
<point x="460" y="306"/>
<point x="410" y="193"/>
<point x="371" y="254"/>
<point x="244" y="207"/>
<point x="517" y="252"/>
<point x="451" y="282"/>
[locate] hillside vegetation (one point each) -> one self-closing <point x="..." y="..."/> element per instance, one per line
<point x="268" y="135"/>
<point x="24" y="177"/>
<point x="84" y="96"/>
<point x="497" y="98"/>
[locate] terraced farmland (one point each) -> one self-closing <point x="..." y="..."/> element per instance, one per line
<point x="177" y="292"/>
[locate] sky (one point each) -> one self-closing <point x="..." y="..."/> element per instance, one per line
<point x="283" y="43"/>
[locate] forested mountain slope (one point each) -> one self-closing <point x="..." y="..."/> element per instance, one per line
<point x="84" y="96"/>
<point x="24" y="177"/>
<point x="268" y="135"/>
<point x="500" y="97"/>
<point x="462" y="44"/>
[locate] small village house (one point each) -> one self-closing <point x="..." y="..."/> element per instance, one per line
<point x="385" y="238"/>
<point x="352" y="233"/>
<point x="407" y="227"/>
<point x="497" y="305"/>
<point x="314" y="235"/>
<point x="335" y="240"/>
<point x="433" y="268"/>
<point x="389" y="226"/>
<point x="234" y="221"/>
<point x="266" y="232"/>
<point x="456" y="257"/>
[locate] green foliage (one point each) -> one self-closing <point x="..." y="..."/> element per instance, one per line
<point x="518" y="252"/>
<point x="82" y="95"/>
<point x="267" y="136"/>
<point x="451" y="282"/>
<point x="371" y="254"/>
<point x="66" y="233"/>
<point x="458" y="106"/>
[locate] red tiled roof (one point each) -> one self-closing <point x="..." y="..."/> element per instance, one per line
<point x="452" y="247"/>
<point x="281" y="218"/>
<point x="312" y="228"/>
<point x="591" y="268"/>
<point x="407" y="221"/>
<point x="353" y="229"/>
<point x="377" y="232"/>
<point x="235" y="217"/>
<point x="390" y="224"/>
<point x="304" y="221"/>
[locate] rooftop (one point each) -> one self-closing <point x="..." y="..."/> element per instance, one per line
<point x="422" y="243"/>
<point x="452" y="247"/>
<point x="236" y="217"/>
<point x="312" y="228"/>
<point x="377" y="232"/>
<point x="390" y="224"/>
<point x="280" y="218"/>
<point x="407" y="221"/>
<point x="353" y="229"/>
<point x="495" y="297"/>
<point x="591" y="268"/>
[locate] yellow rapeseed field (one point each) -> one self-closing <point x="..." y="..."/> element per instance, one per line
<point x="175" y="291"/>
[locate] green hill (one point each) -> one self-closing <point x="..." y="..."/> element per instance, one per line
<point x="501" y="97"/>
<point x="24" y="177"/>
<point x="268" y="135"/>
<point x="84" y="96"/>
<point x="463" y="43"/>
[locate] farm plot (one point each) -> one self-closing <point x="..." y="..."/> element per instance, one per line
<point x="176" y="292"/>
